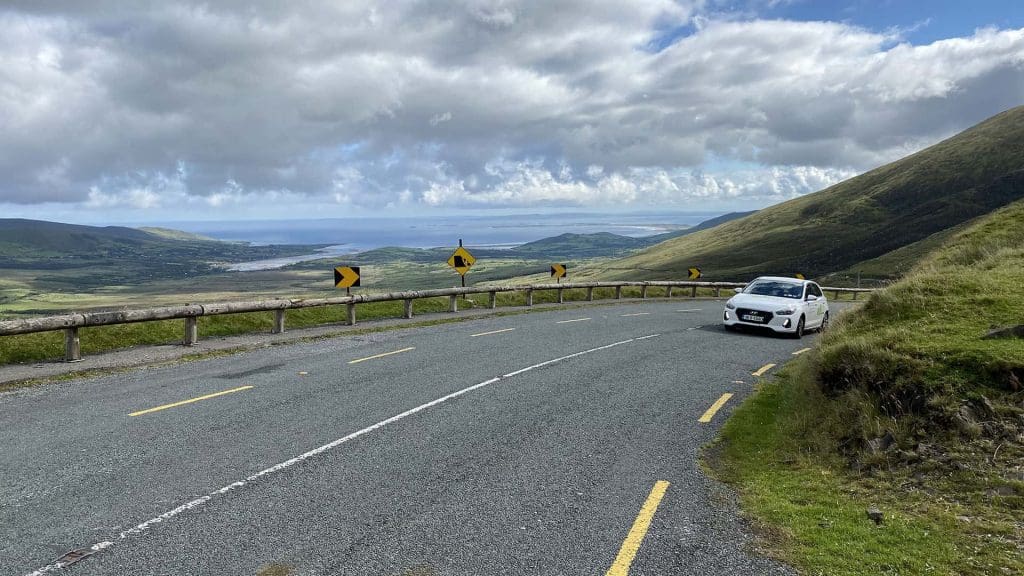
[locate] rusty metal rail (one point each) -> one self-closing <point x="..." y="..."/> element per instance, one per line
<point x="71" y="323"/>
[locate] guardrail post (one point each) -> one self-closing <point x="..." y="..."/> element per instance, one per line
<point x="590" y="294"/>
<point x="72" y="345"/>
<point x="191" y="331"/>
<point x="643" y="291"/>
<point x="835" y="294"/>
<point x="560" y="299"/>
<point x="492" y="300"/>
<point x="278" y="322"/>
<point x="668" y="292"/>
<point x="407" y="312"/>
<point x="618" y="292"/>
<point x="529" y="297"/>
<point x="718" y="292"/>
<point x="693" y="292"/>
<point x="854" y="295"/>
<point x="453" y="303"/>
<point x="351" y="309"/>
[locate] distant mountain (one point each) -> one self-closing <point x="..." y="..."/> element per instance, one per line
<point x="652" y="240"/>
<point x="604" y="244"/>
<point x="114" y="255"/>
<point x="580" y="245"/>
<point x="860" y="219"/>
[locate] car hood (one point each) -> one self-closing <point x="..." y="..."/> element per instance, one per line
<point x="766" y="303"/>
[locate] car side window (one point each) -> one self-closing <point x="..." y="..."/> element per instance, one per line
<point x="814" y="289"/>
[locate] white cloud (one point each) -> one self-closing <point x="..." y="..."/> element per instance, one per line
<point x="465" y="103"/>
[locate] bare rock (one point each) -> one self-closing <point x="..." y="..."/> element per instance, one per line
<point x="1008" y="332"/>
<point x="875" y="515"/>
<point x="882" y="443"/>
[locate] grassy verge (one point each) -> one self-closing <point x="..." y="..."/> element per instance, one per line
<point x="904" y="406"/>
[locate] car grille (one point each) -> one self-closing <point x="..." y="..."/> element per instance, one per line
<point x="753" y="316"/>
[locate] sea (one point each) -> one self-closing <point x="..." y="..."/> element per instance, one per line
<point x="342" y="236"/>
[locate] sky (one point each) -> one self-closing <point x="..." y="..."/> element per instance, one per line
<point x="142" y="111"/>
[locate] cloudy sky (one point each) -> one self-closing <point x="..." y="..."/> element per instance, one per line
<point x="117" y="110"/>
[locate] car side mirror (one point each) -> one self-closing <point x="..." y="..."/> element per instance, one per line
<point x="811" y="298"/>
<point x="738" y="290"/>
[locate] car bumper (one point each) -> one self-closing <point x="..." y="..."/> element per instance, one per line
<point x="781" y="324"/>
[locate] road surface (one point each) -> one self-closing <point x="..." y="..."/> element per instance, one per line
<point x="562" y="442"/>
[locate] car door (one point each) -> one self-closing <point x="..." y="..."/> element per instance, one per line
<point x="818" y="307"/>
<point x="810" y="307"/>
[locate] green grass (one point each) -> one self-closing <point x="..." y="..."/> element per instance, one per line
<point x="810" y="510"/>
<point x="910" y="364"/>
<point x="863" y="218"/>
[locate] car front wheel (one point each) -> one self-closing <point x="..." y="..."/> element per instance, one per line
<point x="799" y="332"/>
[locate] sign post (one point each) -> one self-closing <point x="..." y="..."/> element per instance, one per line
<point x="461" y="260"/>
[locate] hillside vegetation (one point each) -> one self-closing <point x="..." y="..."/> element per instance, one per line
<point x="966" y="176"/>
<point x="910" y="405"/>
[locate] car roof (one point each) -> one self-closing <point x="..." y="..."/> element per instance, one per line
<point x="783" y="279"/>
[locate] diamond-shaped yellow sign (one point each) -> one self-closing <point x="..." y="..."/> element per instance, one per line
<point x="461" y="260"/>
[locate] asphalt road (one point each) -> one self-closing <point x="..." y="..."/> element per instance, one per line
<point x="526" y="444"/>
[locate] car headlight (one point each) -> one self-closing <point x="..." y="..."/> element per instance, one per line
<point x="730" y="305"/>
<point x="786" y="311"/>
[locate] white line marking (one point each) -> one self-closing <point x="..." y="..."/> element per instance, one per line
<point x="693" y="328"/>
<point x="568" y="321"/>
<point x="491" y="332"/>
<point x="690" y="310"/>
<point x="376" y="356"/>
<point x="139" y="529"/>
<point x="636" y="314"/>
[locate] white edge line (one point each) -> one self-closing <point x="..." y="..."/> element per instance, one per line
<point x="320" y="450"/>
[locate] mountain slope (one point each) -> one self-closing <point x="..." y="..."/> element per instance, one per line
<point x="968" y="175"/>
<point x="71" y="256"/>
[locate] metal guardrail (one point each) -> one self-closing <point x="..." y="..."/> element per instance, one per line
<point x="70" y="323"/>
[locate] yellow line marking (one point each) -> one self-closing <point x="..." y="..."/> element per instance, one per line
<point x="636" y="534"/>
<point x="568" y="321"/>
<point x="189" y="401"/>
<point x="374" y="357"/>
<point x="493" y="332"/>
<point x="763" y="369"/>
<point x="636" y="314"/>
<point x="799" y="352"/>
<point x="714" y="408"/>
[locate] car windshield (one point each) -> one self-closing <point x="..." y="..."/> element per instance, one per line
<point x="776" y="288"/>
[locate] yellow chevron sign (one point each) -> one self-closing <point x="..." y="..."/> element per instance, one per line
<point x="694" y="273"/>
<point x="346" y="276"/>
<point x="461" y="260"/>
<point x="558" y="270"/>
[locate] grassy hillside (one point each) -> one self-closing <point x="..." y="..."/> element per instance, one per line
<point x="865" y="217"/>
<point x="905" y="405"/>
<point x="50" y="256"/>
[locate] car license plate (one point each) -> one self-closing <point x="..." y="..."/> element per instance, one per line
<point x="752" y="318"/>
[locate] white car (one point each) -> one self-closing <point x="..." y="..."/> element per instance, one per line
<point x="785" y="305"/>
